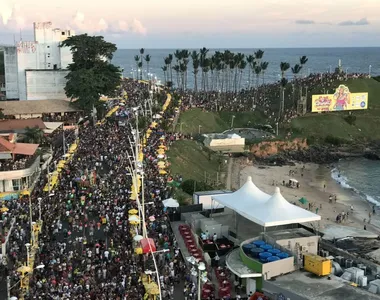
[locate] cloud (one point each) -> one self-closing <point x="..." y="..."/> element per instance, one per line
<point x="305" y="22"/>
<point x="138" y="27"/>
<point x="11" y="15"/>
<point x="361" y="22"/>
<point x="6" y="11"/>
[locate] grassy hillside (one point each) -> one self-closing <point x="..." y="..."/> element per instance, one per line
<point x="311" y="125"/>
<point x="215" y="121"/>
<point x="189" y="159"/>
<point x="334" y="123"/>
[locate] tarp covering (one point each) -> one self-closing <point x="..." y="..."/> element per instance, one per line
<point x="265" y="210"/>
<point x="145" y="245"/>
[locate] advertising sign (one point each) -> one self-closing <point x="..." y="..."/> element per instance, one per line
<point x="342" y="99"/>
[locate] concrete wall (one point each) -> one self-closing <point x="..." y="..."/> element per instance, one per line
<point x="46" y="85"/>
<point x="9" y="175"/>
<point x="306" y="244"/>
<point x="276" y="268"/>
<point x="11" y="72"/>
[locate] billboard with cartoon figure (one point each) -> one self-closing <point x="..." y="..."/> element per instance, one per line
<point x="342" y="99"/>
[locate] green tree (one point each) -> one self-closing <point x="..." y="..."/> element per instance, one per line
<point x="33" y="135"/>
<point x="91" y="74"/>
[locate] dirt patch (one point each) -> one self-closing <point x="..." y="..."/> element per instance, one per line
<point x="266" y="148"/>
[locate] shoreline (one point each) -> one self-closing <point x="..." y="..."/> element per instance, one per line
<point x="316" y="185"/>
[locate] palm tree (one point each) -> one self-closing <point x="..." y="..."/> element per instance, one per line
<point x="142" y="50"/>
<point x="257" y="72"/>
<point x="147" y="59"/>
<point x="33" y="135"/>
<point x="303" y="60"/>
<point x="250" y="59"/>
<point x="259" y="55"/>
<point x="284" y="66"/>
<point x="295" y="70"/>
<point x="177" y="69"/>
<point x="242" y="66"/>
<point x="196" y="63"/>
<point x="170" y="60"/>
<point x="137" y="59"/>
<point x="264" y="66"/>
<point x="165" y="69"/>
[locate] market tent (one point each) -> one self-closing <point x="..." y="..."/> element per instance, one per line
<point x="148" y="245"/>
<point x="244" y="199"/>
<point x="170" y="203"/>
<point x="278" y="211"/>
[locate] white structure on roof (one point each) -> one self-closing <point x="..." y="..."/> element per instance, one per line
<point x="36" y="70"/>
<point x="223" y="140"/>
<point x="255" y="205"/>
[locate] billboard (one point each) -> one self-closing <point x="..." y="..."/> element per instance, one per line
<point x="342" y="99"/>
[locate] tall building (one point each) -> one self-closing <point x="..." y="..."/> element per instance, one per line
<point x="36" y="70"/>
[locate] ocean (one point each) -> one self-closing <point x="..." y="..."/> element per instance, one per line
<point x="360" y="175"/>
<point x="321" y="60"/>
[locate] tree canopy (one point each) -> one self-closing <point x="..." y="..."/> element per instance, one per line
<point x="91" y="73"/>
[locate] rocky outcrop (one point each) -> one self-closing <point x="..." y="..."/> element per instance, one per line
<point x="269" y="148"/>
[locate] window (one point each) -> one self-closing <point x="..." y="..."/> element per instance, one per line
<point x="48" y="65"/>
<point x="63" y="33"/>
<point x="48" y="46"/>
<point x="55" y="67"/>
<point x="16" y="184"/>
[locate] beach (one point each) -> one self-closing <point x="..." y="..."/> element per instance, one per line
<point x="315" y="185"/>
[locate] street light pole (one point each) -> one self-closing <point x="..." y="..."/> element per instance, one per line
<point x="39" y="209"/>
<point x="27" y="245"/>
<point x="232" y="121"/>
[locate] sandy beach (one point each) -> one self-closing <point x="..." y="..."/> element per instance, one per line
<point x="316" y="185"/>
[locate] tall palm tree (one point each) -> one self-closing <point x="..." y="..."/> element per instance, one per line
<point x="185" y="59"/>
<point x="242" y="66"/>
<point x="295" y="70"/>
<point x="257" y="72"/>
<point x="137" y="60"/>
<point x="142" y="50"/>
<point x="147" y="59"/>
<point x="196" y="63"/>
<point x="284" y="66"/>
<point x="165" y="69"/>
<point x="259" y="55"/>
<point x="303" y="60"/>
<point x="177" y="70"/>
<point x="264" y="66"/>
<point x="250" y="59"/>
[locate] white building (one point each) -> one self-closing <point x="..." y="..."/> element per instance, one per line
<point x="36" y="70"/>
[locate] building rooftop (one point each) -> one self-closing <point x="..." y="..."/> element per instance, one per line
<point x="18" y="126"/>
<point x="237" y="267"/>
<point x="12" y="108"/>
<point x="291" y="233"/>
<point x="203" y="193"/>
<point x="312" y="287"/>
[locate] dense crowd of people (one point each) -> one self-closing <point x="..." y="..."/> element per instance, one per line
<point x="266" y="97"/>
<point x="86" y="244"/>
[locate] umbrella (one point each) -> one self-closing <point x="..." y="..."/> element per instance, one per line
<point x="133" y="211"/>
<point x="24" y="269"/>
<point x="133" y="218"/>
<point x="162" y="138"/>
<point x="162" y="172"/>
<point x="4" y="209"/>
<point x="162" y="146"/>
<point x="152" y="218"/>
<point x="170" y="203"/>
<point x="157" y="116"/>
<point x="161" y="163"/>
<point x="137" y="238"/>
<point x="303" y="200"/>
<point x="160" y="156"/>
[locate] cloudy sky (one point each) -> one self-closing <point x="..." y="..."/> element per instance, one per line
<point x="197" y="23"/>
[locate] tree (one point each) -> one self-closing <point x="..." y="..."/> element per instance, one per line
<point x="33" y="135"/>
<point x="91" y="74"/>
<point x="137" y="60"/>
<point x="165" y="69"/>
<point x="303" y="60"/>
<point x="264" y="66"/>
<point x="147" y="59"/>
<point x="284" y="66"/>
<point x="142" y="50"/>
<point x="295" y="70"/>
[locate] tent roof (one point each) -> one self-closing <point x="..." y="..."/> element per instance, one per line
<point x="260" y="208"/>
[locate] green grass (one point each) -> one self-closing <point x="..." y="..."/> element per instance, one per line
<point x="189" y="160"/>
<point x="212" y="122"/>
<point x="321" y="125"/>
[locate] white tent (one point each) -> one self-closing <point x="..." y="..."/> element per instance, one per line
<point x="260" y="208"/>
<point x="170" y="203"/>
<point x="244" y="199"/>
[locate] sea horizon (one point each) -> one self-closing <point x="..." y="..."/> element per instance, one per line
<point x="256" y="48"/>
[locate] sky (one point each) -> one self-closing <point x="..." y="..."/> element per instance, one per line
<point x="197" y="23"/>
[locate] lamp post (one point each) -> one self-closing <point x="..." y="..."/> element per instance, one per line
<point x="232" y="121"/>
<point x="39" y="209"/>
<point x="201" y="267"/>
<point x="276" y="128"/>
<point x="199" y="129"/>
<point x="9" y="287"/>
<point x="27" y="245"/>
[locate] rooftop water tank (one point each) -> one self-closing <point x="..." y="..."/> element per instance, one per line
<point x="264" y="256"/>
<point x="258" y="243"/>
<point x="283" y="255"/>
<point x="247" y="248"/>
<point x="274" y="251"/>
<point x="255" y="252"/>
<point x="266" y="247"/>
<point x="272" y="258"/>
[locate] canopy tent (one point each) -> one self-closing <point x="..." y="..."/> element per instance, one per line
<point x="148" y="245"/>
<point x="265" y="210"/>
<point x="244" y="199"/>
<point x="170" y="203"/>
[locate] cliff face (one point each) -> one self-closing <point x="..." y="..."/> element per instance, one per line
<point x="268" y="148"/>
